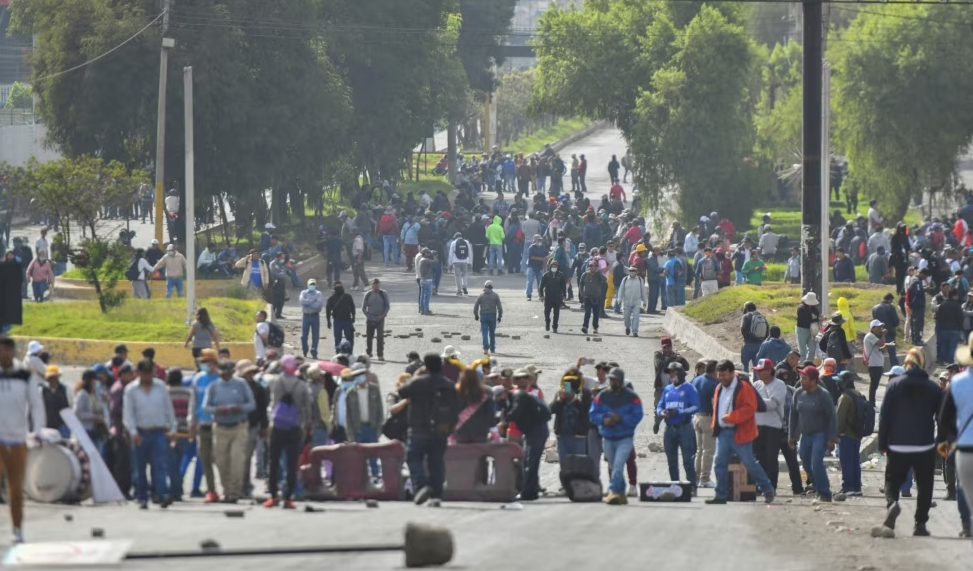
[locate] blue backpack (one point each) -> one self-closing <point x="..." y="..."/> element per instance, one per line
<point x="285" y="416"/>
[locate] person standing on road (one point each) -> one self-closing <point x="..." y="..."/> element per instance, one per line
<point x="278" y="277"/>
<point x="633" y="296"/>
<point x="433" y="413"/>
<point x="907" y="437"/>
<point x="495" y="239"/>
<point x="341" y="311"/>
<point x="530" y="414"/>
<point x="705" y="386"/>
<point x="677" y="406"/>
<point x="873" y="345"/>
<point x="808" y="314"/>
<point x="613" y="167"/>
<point x="552" y="289"/>
<point x="21" y="413"/>
<point x="151" y="424"/>
<point x="174" y="265"/>
<point x="886" y="313"/>
<point x="426" y="279"/>
<point x="956" y="433"/>
<point x="290" y="415"/>
<point x="201" y="422"/>
<point x="616" y="412"/>
<point x="735" y="429"/>
<point x="814" y="423"/>
<point x="376" y="307"/>
<point x="591" y="292"/>
<point x="257" y="421"/>
<point x="770" y="423"/>
<point x="536" y="257"/>
<point x="230" y="401"/>
<point x="488" y="311"/>
<point x="460" y="254"/>
<point x="850" y="439"/>
<point x="358" y="261"/>
<point x="312" y="302"/>
<point x="388" y="228"/>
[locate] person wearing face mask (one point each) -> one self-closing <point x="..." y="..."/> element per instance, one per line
<point x="363" y="409"/>
<point x="174" y="264"/>
<point x="341" y="310"/>
<point x="312" y="301"/>
<point x="229" y="401"/>
<point x="290" y="406"/>
<point x="40" y="274"/>
<point x="617" y="412"/>
<point x="201" y="422"/>
<point x="678" y="404"/>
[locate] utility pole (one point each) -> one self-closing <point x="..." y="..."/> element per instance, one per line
<point x="187" y="83"/>
<point x="160" y="129"/>
<point x="825" y="165"/>
<point x="813" y="253"/>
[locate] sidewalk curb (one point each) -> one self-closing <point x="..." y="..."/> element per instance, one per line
<point x="578" y="135"/>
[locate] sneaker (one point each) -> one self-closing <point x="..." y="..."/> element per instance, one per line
<point x="906" y="494"/>
<point x="771" y="494"/>
<point x="270" y="503"/>
<point x="465" y="292"/>
<point x="459" y="294"/>
<point x="635" y="334"/>
<point x="422" y="496"/>
<point x="950" y="497"/>
<point x="584" y="330"/>
<point x="707" y="485"/>
<point x="965" y="532"/>
<point x="18" y="536"/>
<point x="528" y="298"/>
<point x="628" y="331"/>
<point x="196" y="494"/>
<point x="229" y="501"/>
<point x="891" y="515"/>
<point x="824" y="499"/>
<point x="211" y="498"/>
<point x="143" y="505"/>
<point x="856" y="494"/>
<point x="920" y="530"/>
<point x="288" y="505"/>
<point x="380" y="358"/>
<point x="715" y="501"/>
<point x="614" y="499"/>
<point x="554" y="330"/>
<point x="434" y="503"/>
<point x="596" y="332"/>
<point x="633" y="491"/>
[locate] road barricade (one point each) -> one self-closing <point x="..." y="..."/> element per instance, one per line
<point x="350" y="475"/>
<point x="488" y="472"/>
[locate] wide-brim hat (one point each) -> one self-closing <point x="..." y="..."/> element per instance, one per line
<point x="810" y="298"/>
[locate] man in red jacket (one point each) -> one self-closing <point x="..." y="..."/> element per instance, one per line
<point x="735" y="428"/>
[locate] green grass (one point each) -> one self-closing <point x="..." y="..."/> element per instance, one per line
<point x="775" y="273"/>
<point x="778" y="302"/>
<point x="153" y="321"/>
<point x="535" y="142"/>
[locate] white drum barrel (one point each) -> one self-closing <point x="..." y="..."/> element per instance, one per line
<point x="56" y="473"/>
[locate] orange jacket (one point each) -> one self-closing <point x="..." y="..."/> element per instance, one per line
<point x="743" y="414"/>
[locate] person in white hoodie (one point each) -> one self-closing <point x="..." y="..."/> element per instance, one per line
<point x="633" y="295"/>
<point x="770" y="424"/>
<point x="460" y="257"/>
<point x="21" y="413"/>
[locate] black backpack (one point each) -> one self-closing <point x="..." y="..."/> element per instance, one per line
<point x="445" y="411"/>
<point x="461" y="252"/>
<point x="864" y="420"/>
<point x="132" y="273"/>
<point x="275" y="337"/>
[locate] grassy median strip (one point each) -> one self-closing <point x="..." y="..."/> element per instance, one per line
<point x="155" y="321"/>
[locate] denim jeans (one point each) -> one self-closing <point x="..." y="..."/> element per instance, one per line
<point x="533" y="276"/>
<point x="849" y="454"/>
<point x="423" y="452"/>
<point x="739" y="277"/>
<point x="292" y="273"/>
<point x="495" y="257"/>
<point x="946" y="341"/>
<point x="726" y="446"/>
<point x="488" y="330"/>
<point x="425" y="295"/>
<point x="805" y="343"/>
<point x="673" y="295"/>
<point x="437" y="274"/>
<point x="748" y="354"/>
<point x="631" y="313"/>
<point x="173" y="283"/>
<point x="388" y="250"/>
<point x="344" y="328"/>
<point x="893" y="358"/>
<point x="654" y="290"/>
<point x="681" y="437"/>
<point x="310" y="323"/>
<point x="187" y="458"/>
<point x="592" y="306"/>
<point x="40" y="288"/>
<point x="812" y="451"/>
<point x="176" y="472"/>
<point x="152" y="454"/>
<point x="367" y="435"/>
<point x="571" y="445"/>
<point x="616" y="453"/>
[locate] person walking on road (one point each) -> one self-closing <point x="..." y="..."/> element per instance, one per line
<point x="552" y="290"/>
<point x="340" y="310"/>
<point x="907" y="437"/>
<point x="425" y="278"/>
<point x="735" y="429"/>
<point x="849" y="434"/>
<point x="290" y="418"/>
<point x="705" y="386"/>
<point x="677" y="406"/>
<point x="230" y="402"/>
<point x="277" y="271"/>
<point x="312" y="302"/>
<point x="536" y="257"/>
<point x="808" y="315"/>
<point x="488" y="311"/>
<point x="40" y="273"/>
<point x="150" y="421"/>
<point x="376" y="307"/>
<point x="887" y="314"/>
<point x="591" y="292"/>
<point x="616" y="412"/>
<point x="814" y="423"/>
<point x="633" y="295"/>
<point x="956" y="432"/>
<point x="770" y="423"/>
<point x="460" y="256"/>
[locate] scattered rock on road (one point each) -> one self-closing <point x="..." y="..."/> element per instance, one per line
<point x="656" y="447"/>
<point x="465" y="337"/>
<point x="883" y="532"/>
<point x="437" y="340"/>
<point x="550" y="457"/>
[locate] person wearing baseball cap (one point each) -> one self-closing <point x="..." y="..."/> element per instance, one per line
<point x="888" y="314"/>
<point x="770" y="423"/>
<point x="617" y="412"/>
<point x="662" y="359"/>
<point x="873" y="345"/>
<point x="814" y="422"/>
<point x="678" y="404"/>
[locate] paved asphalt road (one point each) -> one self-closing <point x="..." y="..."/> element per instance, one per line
<point x="791" y="535"/>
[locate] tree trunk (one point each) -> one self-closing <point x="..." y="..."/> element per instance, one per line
<point x="451" y="152"/>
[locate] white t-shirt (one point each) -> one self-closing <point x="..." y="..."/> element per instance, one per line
<point x="40" y="245"/>
<point x="725" y="405"/>
<point x="145" y="268"/>
<point x="263" y="328"/>
<point x="172" y="203"/>
<point x="874" y="355"/>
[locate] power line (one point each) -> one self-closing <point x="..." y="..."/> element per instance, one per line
<point x="106" y="54"/>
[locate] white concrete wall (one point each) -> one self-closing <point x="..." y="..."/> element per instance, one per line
<point x="18" y="143"/>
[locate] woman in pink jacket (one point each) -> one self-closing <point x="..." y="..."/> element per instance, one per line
<point x="40" y="274"/>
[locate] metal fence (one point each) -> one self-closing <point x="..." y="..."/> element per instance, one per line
<point x="10" y="117"/>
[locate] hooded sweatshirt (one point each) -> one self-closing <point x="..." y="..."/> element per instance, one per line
<point x="494" y="233"/>
<point x="849" y="324"/>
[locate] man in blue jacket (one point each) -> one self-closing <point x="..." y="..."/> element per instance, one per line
<point x="616" y="412"/>
<point x="774" y="348"/>
<point x="677" y="406"/>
